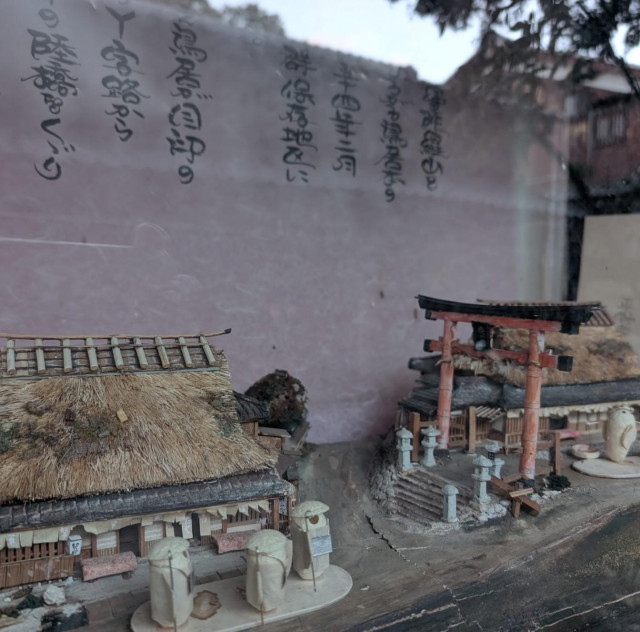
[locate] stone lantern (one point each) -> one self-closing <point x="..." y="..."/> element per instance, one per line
<point x="449" y="493"/>
<point x="403" y="446"/>
<point x="481" y="477"/>
<point x="429" y="444"/>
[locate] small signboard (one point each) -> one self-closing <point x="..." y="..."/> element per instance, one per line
<point x="74" y="545"/>
<point x="321" y="545"/>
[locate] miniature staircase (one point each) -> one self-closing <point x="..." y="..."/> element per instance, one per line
<point x="418" y="496"/>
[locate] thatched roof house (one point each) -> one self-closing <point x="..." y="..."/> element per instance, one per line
<point x="119" y="430"/>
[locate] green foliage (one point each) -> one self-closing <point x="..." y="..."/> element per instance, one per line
<point x="568" y="29"/>
<point x="249" y="16"/>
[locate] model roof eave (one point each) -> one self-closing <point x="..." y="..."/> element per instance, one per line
<point x="569" y="314"/>
<point x="241" y="488"/>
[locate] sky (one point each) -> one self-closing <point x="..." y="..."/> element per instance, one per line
<point x="382" y="31"/>
<point x="375" y="29"/>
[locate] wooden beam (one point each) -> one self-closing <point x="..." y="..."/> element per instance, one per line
<point x="531" y="417"/>
<point x="11" y="357"/>
<point x="117" y="354"/>
<point x="207" y="351"/>
<point x="556" y="455"/>
<point x="67" y="361"/>
<point x="414" y="428"/>
<point x="502" y="321"/>
<point x="445" y="389"/>
<point x="162" y="352"/>
<point x="471" y="415"/>
<point x="103" y="335"/>
<point x="91" y="355"/>
<point x="142" y="358"/>
<point x="525" y="491"/>
<point x="547" y="359"/>
<point x="41" y="367"/>
<point x="188" y="362"/>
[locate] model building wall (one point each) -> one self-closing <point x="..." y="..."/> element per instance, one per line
<point x="185" y="171"/>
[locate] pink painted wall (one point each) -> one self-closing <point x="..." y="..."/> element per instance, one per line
<point x="316" y="278"/>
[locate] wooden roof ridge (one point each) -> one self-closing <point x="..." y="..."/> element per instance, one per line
<point x="41" y="356"/>
<point x="563" y="316"/>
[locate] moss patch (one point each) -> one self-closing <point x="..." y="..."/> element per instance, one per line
<point x="7" y="436"/>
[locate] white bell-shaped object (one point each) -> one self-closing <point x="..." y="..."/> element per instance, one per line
<point x="620" y="432"/>
<point x="311" y="539"/>
<point x="268" y="565"/>
<point x="170" y="582"/>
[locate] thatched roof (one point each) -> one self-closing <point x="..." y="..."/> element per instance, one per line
<point x="62" y="437"/>
<point x="600" y="354"/>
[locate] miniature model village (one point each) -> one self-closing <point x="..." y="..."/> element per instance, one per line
<point x="117" y="451"/>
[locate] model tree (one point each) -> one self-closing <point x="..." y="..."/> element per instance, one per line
<point x="570" y="32"/>
<point x="249" y="16"/>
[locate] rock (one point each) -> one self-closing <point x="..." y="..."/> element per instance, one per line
<point x="54" y="596"/>
<point x="205" y="605"/>
<point x="71" y="617"/>
<point x="117" y="564"/>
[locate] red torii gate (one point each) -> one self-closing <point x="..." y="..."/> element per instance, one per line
<point x="538" y="318"/>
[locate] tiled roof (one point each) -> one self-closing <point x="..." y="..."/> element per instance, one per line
<point x="601" y="318"/>
<point x="570" y="315"/>
<point x="250" y="408"/>
<point x="74" y="355"/>
<point x="244" y="487"/>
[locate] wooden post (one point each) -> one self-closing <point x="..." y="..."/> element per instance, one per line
<point x="91" y="355"/>
<point x="117" y="355"/>
<point x="186" y="356"/>
<point x="40" y="365"/>
<point x="67" y="360"/>
<point x="207" y="351"/>
<point x="142" y="540"/>
<point x="414" y="427"/>
<point x="275" y="513"/>
<point x="531" y="406"/>
<point x="11" y="357"/>
<point x="162" y="352"/>
<point x="446" y="385"/>
<point x="557" y="456"/>
<point x="142" y="358"/>
<point x="471" y="413"/>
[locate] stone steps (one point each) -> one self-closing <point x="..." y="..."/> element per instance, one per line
<point x="418" y="496"/>
<point x="427" y="479"/>
<point x="429" y="501"/>
<point x="414" y="512"/>
<point x="418" y="492"/>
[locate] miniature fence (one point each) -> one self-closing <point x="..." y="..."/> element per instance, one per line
<point x="473" y="426"/>
<point x="37" y="563"/>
